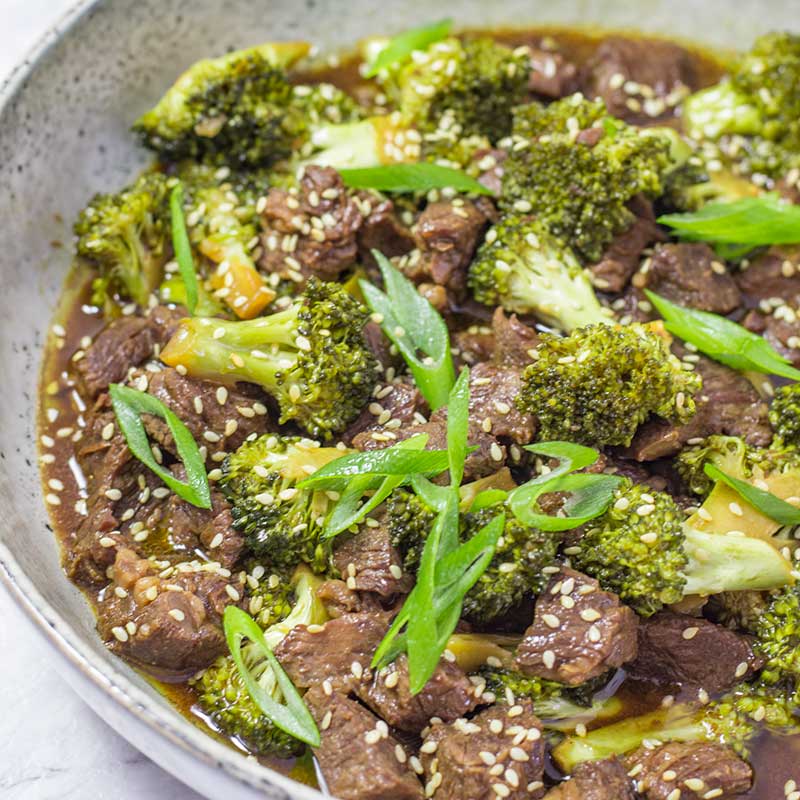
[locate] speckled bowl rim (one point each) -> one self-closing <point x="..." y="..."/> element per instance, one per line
<point x="101" y="671"/>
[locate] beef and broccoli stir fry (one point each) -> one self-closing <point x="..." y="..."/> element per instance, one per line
<point x="435" y="417"/>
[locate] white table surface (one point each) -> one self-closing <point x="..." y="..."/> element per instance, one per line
<point x="52" y="746"/>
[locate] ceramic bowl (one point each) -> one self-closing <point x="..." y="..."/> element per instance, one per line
<point x="64" y="120"/>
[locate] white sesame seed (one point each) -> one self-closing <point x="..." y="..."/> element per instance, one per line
<point x="119" y="633"/>
<point x="551" y="620"/>
<point x="177" y="614"/>
<point x="690" y="633"/>
<point x="549" y="658"/>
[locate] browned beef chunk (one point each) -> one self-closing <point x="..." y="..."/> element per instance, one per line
<point x="728" y="404"/>
<point x="493" y="391"/>
<point x="578" y="631"/>
<point x="696" y="769"/>
<point x="552" y="75"/>
<point x="774" y="274"/>
<point x="501" y="746"/>
<point x="621" y="258"/>
<point x="381" y="346"/>
<point x="633" y="305"/>
<point x="329" y="652"/>
<point x="689" y="274"/>
<point x="514" y="340"/>
<point x="780" y="329"/>
<point x="595" y="780"/>
<point x="369" y="563"/>
<point x="394" y="405"/>
<point x="610" y="464"/>
<point x="692" y="653"/>
<point x="381" y="230"/>
<point x="169" y="624"/>
<point x="124" y="343"/>
<point x="358" y="757"/>
<point x="490" y="163"/>
<point x="338" y="599"/>
<point x="447" y="696"/>
<point x="219" y="418"/>
<point x="474" y="344"/>
<point x="640" y="80"/>
<point x="310" y="231"/>
<point x="447" y="234"/>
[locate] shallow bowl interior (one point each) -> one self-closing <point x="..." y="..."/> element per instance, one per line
<point x="64" y="119"/>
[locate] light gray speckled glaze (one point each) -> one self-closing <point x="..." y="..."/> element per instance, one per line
<point x="64" y="117"/>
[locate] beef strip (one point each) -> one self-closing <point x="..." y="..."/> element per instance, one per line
<point x="369" y="563"/>
<point x="695" y="769"/>
<point x="171" y="624"/>
<point x="358" y="757"/>
<point x="381" y="230"/>
<point x="312" y="230"/>
<point x="338" y="599"/>
<point x="690" y="274"/>
<point x="595" y="780"/>
<point x="501" y="746"/>
<point x="552" y="75"/>
<point x="219" y="417"/>
<point x="773" y="274"/>
<point x="514" y="340"/>
<point x="640" y="80"/>
<point x="621" y="258"/>
<point x="780" y="328"/>
<point x="728" y="404"/>
<point x="692" y="653"/>
<point x="578" y="631"/>
<point x="493" y="391"/>
<point x="124" y="343"/>
<point x="474" y="344"/>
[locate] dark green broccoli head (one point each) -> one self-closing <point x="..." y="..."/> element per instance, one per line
<point x="524" y="268"/>
<point x="597" y="385"/>
<point x="777" y="633"/>
<point x="755" y="113"/>
<point x="312" y="357"/>
<point x="516" y="570"/>
<point x="784" y="414"/>
<point x="461" y="89"/>
<point x="269" y="595"/>
<point x="241" y="109"/>
<point x="575" y="168"/>
<point x="409" y="520"/>
<point x="281" y="523"/>
<point x="126" y="237"/>
<point x="636" y="548"/>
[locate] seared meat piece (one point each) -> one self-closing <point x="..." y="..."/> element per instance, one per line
<point x="339" y="651"/>
<point x="311" y="231"/>
<point x="358" y="757"/>
<point x="123" y="344"/>
<point x="369" y="563"/>
<point x="338" y="599"/>
<point x="514" y="340"/>
<point x="595" y="780"/>
<point x="640" y="80"/>
<point x="782" y="332"/>
<point x="691" y="275"/>
<point x="578" y="631"/>
<point x="448" y="695"/>
<point x="490" y="163"/>
<point x="611" y="465"/>
<point x="500" y="747"/>
<point x="693" y="653"/>
<point x="475" y="344"/>
<point x="170" y="624"/>
<point x="774" y="274"/>
<point x="621" y="258"/>
<point x="552" y="75"/>
<point x="728" y="403"/>
<point x="447" y="234"/>
<point x="219" y="418"/>
<point x="381" y="230"/>
<point x="381" y="347"/>
<point x="493" y="391"/>
<point x="399" y="400"/>
<point x="695" y="769"/>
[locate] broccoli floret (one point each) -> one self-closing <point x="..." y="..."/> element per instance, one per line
<point x="126" y="237"/>
<point x="754" y="113"/>
<point x="241" y="109"/>
<point x="282" y="523"/>
<point x="575" y="168"/>
<point x="222" y="693"/>
<point x="269" y="594"/>
<point x="312" y="357"/>
<point x="784" y="415"/>
<point x="524" y="268"/>
<point x="515" y="571"/>
<point x="460" y="88"/>
<point x="777" y="632"/>
<point x="643" y="549"/>
<point x="734" y="720"/>
<point x="597" y="385"/>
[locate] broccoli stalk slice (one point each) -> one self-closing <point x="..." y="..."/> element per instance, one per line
<point x="527" y="270"/>
<point x="724" y="563"/>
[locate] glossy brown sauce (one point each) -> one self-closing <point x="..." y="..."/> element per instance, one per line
<point x="61" y="410"/>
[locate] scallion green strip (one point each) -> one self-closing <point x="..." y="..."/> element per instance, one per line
<point x="405" y="178"/>
<point x="400" y="47"/>
<point x="183" y="248"/>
